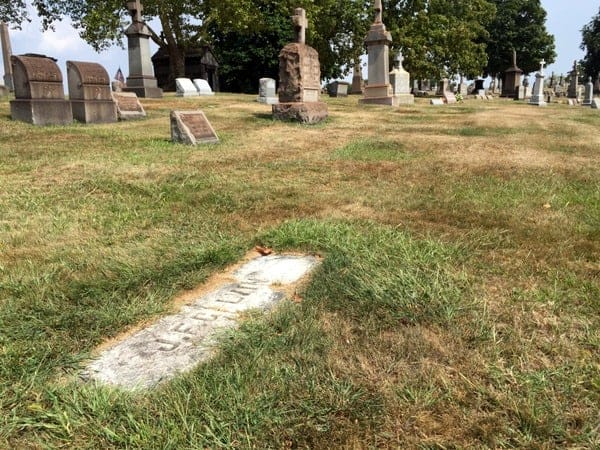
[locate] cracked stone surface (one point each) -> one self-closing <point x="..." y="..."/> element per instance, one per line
<point x="180" y="341"/>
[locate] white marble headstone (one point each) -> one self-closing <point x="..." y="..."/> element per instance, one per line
<point x="203" y="87"/>
<point x="185" y="88"/>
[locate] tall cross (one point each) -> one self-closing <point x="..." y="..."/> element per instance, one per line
<point x="398" y="60"/>
<point x="378" y="10"/>
<point x="135" y="9"/>
<point x="300" y="25"/>
<point x="542" y="64"/>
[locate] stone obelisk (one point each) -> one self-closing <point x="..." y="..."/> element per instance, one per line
<point x="6" y="54"/>
<point x="141" y="78"/>
<point x="378" y="89"/>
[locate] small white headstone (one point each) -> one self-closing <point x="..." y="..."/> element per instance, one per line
<point x="185" y="88"/>
<point x="180" y="341"/>
<point x="437" y="102"/>
<point x="596" y="103"/>
<point x="267" y="92"/>
<point x="449" y="97"/>
<point x="203" y="87"/>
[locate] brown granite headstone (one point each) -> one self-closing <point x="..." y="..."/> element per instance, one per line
<point x="192" y="128"/>
<point x="299" y="79"/>
<point x="128" y="106"/>
<point x="39" y="91"/>
<point x="89" y="92"/>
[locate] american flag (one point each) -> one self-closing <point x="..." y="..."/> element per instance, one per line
<point x="119" y="76"/>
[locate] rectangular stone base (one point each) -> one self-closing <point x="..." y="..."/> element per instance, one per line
<point x="404" y="99"/>
<point x="94" y="111"/>
<point x="308" y="112"/>
<point x="145" y="92"/>
<point x="388" y="101"/>
<point x="268" y="100"/>
<point x="42" y="112"/>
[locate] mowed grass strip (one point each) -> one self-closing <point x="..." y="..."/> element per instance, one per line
<point x="456" y="306"/>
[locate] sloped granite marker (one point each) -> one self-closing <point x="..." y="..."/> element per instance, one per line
<point x="178" y="342"/>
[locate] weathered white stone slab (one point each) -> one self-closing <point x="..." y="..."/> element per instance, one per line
<point x="436" y="102"/>
<point x="203" y="87"/>
<point x="180" y="341"/>
<point x="185" y="88"/>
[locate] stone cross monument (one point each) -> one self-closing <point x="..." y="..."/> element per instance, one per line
<point x="299" y="78"/>
<point x="538" y="88"/>
<point x="400" y="81"/>
<point x="378" y="90"/>
<point x="6" y="54"/>
<point x="300" y="25"/>
<point x="141" y="78"/>
<point x="574" y="84"/>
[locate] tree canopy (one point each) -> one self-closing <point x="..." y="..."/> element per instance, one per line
<point x="591" y="45"/>
<point x="519" y="25"/>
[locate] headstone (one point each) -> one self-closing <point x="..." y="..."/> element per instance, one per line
<point x="572" y="101"/>
<point x="39" y="92"/>
<point x="267" y="92"/>
<point x="6" y="54"/>
<point x="378" y="90"/>
<point x="141" y="80"/>
<point x="436" y="102"/>
<point x="400" y="81"/>
<point x="338" y="89"/>
<point x="463" y="88"/>
<point x="449" y="97"/>
<point x="299" y="79"/>
<point x="185" y="88"/>
<point x="589" y="93"/>
<point x="574" y="84"/>
<point x="512" y="77"/>
<point x="192" y="128"/>
<point x="203" y="87"/>
<point x="596" y="103"/>
<point x="128" y="106"/>
<point x="180" y="341"/>
<point x="357" y="80"/>
<point x="597" y="84"/>
<point x="117" y="86"/>
<point x="537" y="98"/>
<point x="89" y="93"/>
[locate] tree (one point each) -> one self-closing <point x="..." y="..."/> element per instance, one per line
<point x="591" y="45"/>
<point x="518" y="25"/>
<point x="101" y="23"/>
<point x="440" y="38"/>
<point x="249" y="35"/>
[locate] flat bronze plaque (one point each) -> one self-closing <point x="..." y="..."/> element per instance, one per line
<point x="192" y="127"/>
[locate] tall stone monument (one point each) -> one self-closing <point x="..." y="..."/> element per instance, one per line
<point x="299" y="78"/>
<point x="357" y="79"/>
<point x="400" y="81"/>
<point x="6" y="54"/>
<point x="39" y="92"/>
<point x="512" y="79"/>
<point x="89" y="93"/>
<point x="141" y="78"/>
<point x="537" y="98"/>
<point x="574" y="84"/>
<point x="378" y="90"/>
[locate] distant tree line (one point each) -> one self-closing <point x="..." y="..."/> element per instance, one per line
<point x="438" y="38"/>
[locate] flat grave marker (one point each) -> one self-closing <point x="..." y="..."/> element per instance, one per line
<point x="180" y="341"/>
<point x="128" y="106"/>
<point x="192" y="128"/>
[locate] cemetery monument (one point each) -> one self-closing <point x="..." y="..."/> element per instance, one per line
<point x="378" y="90"/>
<point x="89" y="93"/>
<point x="512" y="79"/>
<point x="6" y="54"/>
<point x="267" y="91"/>
<point x="357" y="79"/>
<point x="574" y="84"/>
<point x="589" y="93"/>
<point x="400" y="81"/>
<point x="185" y="88"/>
<point x="141" y="79"/>
<point x="537" y="98"/>
<point x="299" y="78"/>
<point x="39" y="91"/>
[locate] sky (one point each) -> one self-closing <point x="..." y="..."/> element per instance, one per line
<point x="565" y="20"/>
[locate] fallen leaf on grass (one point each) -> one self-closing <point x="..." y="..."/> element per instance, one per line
<point x="263" y="250"/>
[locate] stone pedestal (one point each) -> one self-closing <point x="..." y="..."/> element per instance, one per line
<point x="299" y="85"/>
<point x="357" y="79"/>
<point x="141" y="80"/>
<point x="537" y="98"/>
<point x="378" y="90"/>
<point x="39" y="92"/>
<point x="512" y="79"/>
<point x="574" y="82"/>
<point x="89" y="92"/>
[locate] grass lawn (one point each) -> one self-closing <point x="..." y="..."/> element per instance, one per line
<point x="457" y="305"/>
